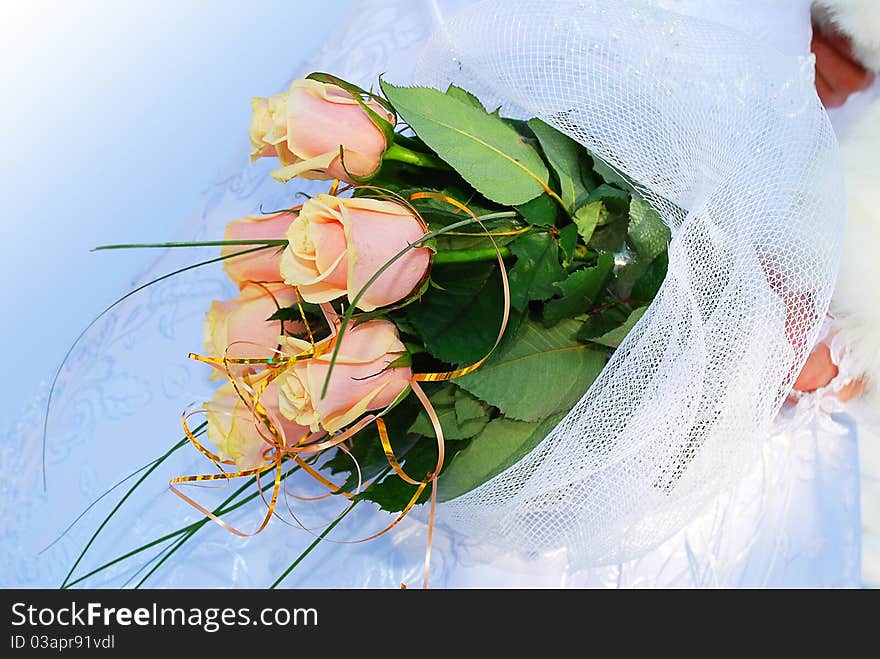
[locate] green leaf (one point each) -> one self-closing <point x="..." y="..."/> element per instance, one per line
<point x="393" y="493"/>
<point x="579" y="291"/>
<point x="467" y="407"/>
<point x="609" y="174"/>
<point x="615" y="200"/>
<point x="565" y="157"/>
<point x="540" y="211"/>
<point x="520" y="126"/>
<point x="445" y="395"/>
<point x="464" y="96"/>
<point x="537" y="372"/>
<point x="293" y="314"/>
<point x="459" y="322"/>
<point x="649" y="282"/>
<point x="488" y="153"/>
<point x="537" y="268"/>
<point x="367" y="449"/>
<point x="477" y="238"/>
<point x="568" y="236"/>
<point x="616" y="336"/>
<point x="501" y="444"/>
<point x="609" y="238"/>
<point x="599" y="324"/>
<point x="452" y="429"/>
<point x="647" y="232"/>
<point x="646" y="263"/>
<point x="588" y="217"/>
<point x="446" y="405"/>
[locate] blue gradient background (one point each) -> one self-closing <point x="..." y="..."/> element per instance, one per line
<point x="116" y="117"/>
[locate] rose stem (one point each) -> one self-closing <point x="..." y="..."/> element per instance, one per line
<point x="400" y="153"/>
<point x="581" y="253"/>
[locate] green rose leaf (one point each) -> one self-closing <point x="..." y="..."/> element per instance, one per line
<point x="598" y="324"/>
<point x="579" y="291"/>
<point x="538" y="372"/>
<point x="565" y="157"/>
<point x="468" y="408"/>
<point x="588" y="217"/>
<point x="393" y="493"/>
<point x="367" y="449"/>
<point x="609" y="174"/>
<point x="452" y="429"/>
<point x="501" y="444"/>
<point x="568" y="236"/>
<point x="649" y="282"/>
<point x="462" y="417"/>
<point x="487" y="152"/>
<point x="458" y="318"/>
<point x="615" y="200"/>
<point x="647" y="232"/>
<point x="615" y="337"/>
<point x="464" y="96"/>
<point x="536" y="269"/>
<point x="540" y="211"/>
<point x="648" y="237"/>
<point x="611" y="237"/>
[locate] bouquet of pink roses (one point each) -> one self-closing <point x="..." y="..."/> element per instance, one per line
<point x="424" y="324"/>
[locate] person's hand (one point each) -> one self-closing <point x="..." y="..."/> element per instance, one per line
<point x="838" y="73"/>
<point x="820" y="370"/>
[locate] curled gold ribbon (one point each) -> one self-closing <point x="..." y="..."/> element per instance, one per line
<point x="249" y="387"/>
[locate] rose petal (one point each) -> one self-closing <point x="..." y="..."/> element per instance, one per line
<point x="374" y="237"/>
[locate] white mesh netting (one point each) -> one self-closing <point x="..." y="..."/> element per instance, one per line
<point x="728" y="142"/>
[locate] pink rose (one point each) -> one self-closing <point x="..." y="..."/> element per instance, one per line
<point x="336" y="244"/>
<point x="361" y="379"/>
<point x="305" y="127"/>
<point x="261" y="266"/>
<point x="245" y="319"/>
<point x="240" y="436"/>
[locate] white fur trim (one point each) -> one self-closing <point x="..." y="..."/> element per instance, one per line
<point x="860" y="21"/>
<point x="856" y="302"/>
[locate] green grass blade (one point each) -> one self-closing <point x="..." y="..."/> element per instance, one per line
<point x="314" y="544"/>
<point x="203" y="243"/>
<point x="130" y="491"/>
<point x="93" y="504"/>
<point x="101" y="315"/>
<point x="222" y="509"/>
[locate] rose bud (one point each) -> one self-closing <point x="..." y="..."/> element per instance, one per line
<point x="361" y="379"/>
<point x="245" y="318"/>
<point x="305" y="128"/>
<point x="263" y="265"/>
<point x="337" y="244"/>
<point x="268" y="130"/>
<point x="241" y="436"/>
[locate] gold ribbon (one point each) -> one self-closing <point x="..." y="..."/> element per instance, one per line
<point x="250" y="390"/>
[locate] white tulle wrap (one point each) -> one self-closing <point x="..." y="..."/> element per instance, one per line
<point x="721" y="133"/>
<point x="728" y="142"/>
